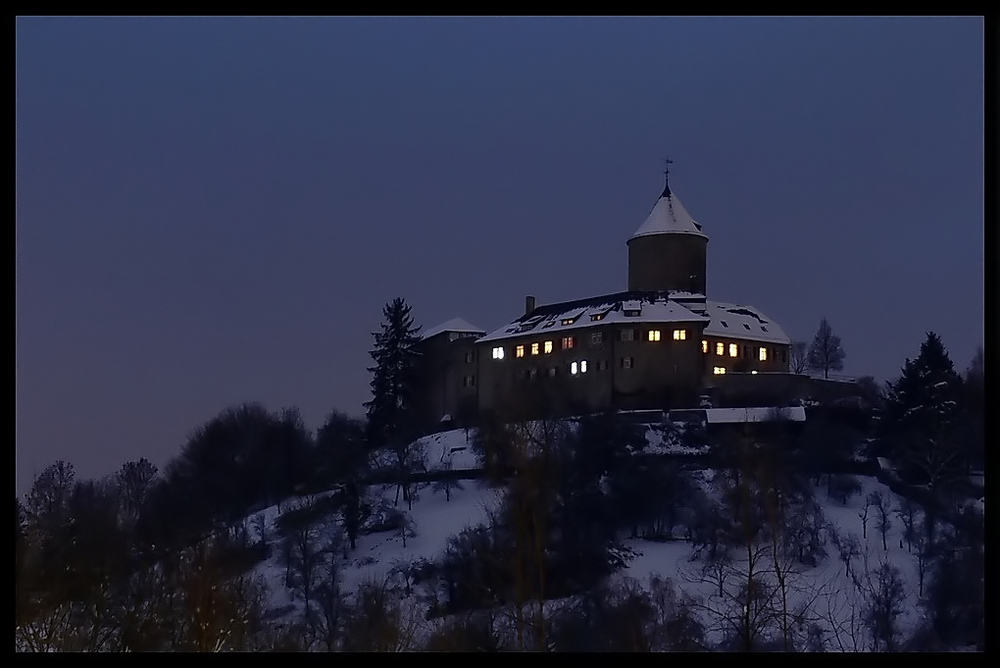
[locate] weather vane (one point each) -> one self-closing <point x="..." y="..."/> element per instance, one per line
<point x="666" y="177"/>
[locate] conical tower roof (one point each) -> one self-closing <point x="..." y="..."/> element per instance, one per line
<point x="668" y="217"/>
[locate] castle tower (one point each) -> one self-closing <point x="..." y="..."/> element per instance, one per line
<point x="669" y="250"/>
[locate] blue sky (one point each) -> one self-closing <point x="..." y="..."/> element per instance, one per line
<point x="214" y="210"/>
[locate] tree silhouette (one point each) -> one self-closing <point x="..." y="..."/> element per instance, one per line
<point x="826" y="353"/>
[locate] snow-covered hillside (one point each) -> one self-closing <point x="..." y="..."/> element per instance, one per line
<point x="826" y="588"/>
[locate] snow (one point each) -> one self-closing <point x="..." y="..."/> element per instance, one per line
<point x="760" y="414"/>
<point x="827" y="585"/>
<point x="738" y="315"/>
<point x="662" y="310"/>
<point x="449" y="450"/>
<point x="668" y="217"/>
<point x="453" y="325"/>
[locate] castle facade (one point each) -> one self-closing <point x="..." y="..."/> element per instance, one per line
<point x="660" y="344"/>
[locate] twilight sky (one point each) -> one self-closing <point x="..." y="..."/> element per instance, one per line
<point x="214" y="210"/>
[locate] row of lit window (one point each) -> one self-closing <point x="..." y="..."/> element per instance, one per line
<point x="569" y="342"/>
<point x="719" y="370"/>
<point x="578" y="367"/>
<point x="734" y="350"/>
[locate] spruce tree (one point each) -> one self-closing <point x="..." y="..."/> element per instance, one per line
<point x="920" y="419"/>
<point x="825" y="353"/>
<point x="391" y="415"/>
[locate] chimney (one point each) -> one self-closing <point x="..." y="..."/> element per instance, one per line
<point x="529" y="304"/>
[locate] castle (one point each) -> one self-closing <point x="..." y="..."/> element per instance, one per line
<point x="660" y="344"/>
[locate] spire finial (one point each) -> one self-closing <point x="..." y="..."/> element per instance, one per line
<point x="666" y="177"/>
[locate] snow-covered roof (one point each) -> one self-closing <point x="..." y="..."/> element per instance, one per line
<point x="668" y="217"/>
<point x="600" y="310"/>
<point x="453" y="325"/>
<point x="742" y="322"/>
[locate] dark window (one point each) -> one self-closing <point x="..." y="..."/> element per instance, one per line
<point x="746" y="326"/>
<point x="724" y="323"/>
<point x="746" y="352"/>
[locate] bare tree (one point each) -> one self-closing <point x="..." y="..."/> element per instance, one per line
<point x="883" y="520"/>
<point x="798" y="357"/>
<point x="863" y="514"/>
<point x="826" y="352"/>
<point x="848" y="548"/>
<point x="885" y="594"/>
<point x="907" y="512"/>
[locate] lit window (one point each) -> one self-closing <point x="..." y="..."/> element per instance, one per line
<point x="680" y="335"/>
<point x="567" y="321"/>
<point x="628" y="335"/>
<point x="704" y="346"/>
<point x="719" y="370"/>
<point x="548" y="347"/>
<point x="597" y="338"/>
<point x="654" y="335"/>
<point x="573" y="368"/>
<point x="598" y="316"/>
<point x="498" y="353"/>
<point x="763" y="354"/>
<point x="568" y="342"/>
<point x="720" y="348"/>
<point x="519" y="351"/>
<point x="734" y="350"/>
<point x="534" y="348"/>
<point x="583" y="366"/>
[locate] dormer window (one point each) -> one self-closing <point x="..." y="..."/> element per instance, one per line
<point x="746" y="326"/>
<point x="632" y="312"/>
<point x="724" y="323"/>
<point x="596" y="317"/>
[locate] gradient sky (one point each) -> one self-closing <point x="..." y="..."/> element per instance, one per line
<point x="214" y="210"/>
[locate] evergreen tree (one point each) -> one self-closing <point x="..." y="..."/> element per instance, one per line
<point x="918" y="424"/>
<point x="825" y="353"/>
<point x="391" y="414"/>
